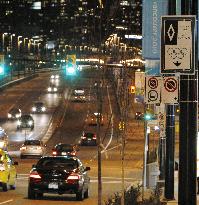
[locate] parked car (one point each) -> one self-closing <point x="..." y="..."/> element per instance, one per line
<point x="14" y="113"/>
<point x="32" y="148"/>
<point x="3" y="139"/>
<point x="62" y="149"/>
<point x="92" y="119"/>
<point x="25" y="121"/>
<point x="39" y="107"/>
<point x="59" y="174"/>
<point x="8" y="172"/>
<point x="88" y="138"/>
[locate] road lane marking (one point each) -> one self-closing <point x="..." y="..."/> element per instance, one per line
<point x="5" y="202"/>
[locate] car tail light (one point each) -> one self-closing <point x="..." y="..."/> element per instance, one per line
<point x="39" y="147"/>
<point x="73" y="153"/>
<point x="34" y="175"/>
<point x="23" y="148"/>
<point x="54" y="153"/>
<point x="73" y="178"/>
<point x="83" y="137"/>
<point x="94" y="137"/>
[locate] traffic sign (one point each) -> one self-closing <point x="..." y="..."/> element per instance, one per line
<point x="153" y="83"/>
<point x="171" y="84"/>
<point x="170" y="90"/>
<point x="152" y="89"/>
<point x="178" y="44"/>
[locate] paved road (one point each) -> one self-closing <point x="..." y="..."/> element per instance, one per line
<point x="64" y="122"/>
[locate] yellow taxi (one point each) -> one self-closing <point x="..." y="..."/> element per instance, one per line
<point x="8" y="172"/>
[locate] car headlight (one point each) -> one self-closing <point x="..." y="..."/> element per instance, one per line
<point x="75" y="97"/>
<point x="52" y="77"/>
<point x="55" y="89"/>
<point x="56" y="76"/>
<point x="49" y="89"/>
<point x="34" y="109"/>
<point x="30" y="122"/>
<point x="43" y="109"/>
<point x="17" y="115"/>
<point x="18" y="122"/>
<point x="84" y="97"/>
<point x="9" y="115"/>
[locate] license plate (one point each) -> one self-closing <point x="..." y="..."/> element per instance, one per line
<point x="63" y="153"/>
<point x="53" y="186"/>
<point x="89" y="139"/>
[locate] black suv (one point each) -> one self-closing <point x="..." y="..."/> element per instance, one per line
<point x="25" y="121"/>
<point x="60" y="174"/>
<point x="64" y="149"/>
<point x="88" y="138"/>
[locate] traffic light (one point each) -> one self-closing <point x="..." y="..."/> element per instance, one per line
<point x="147" y="116"/>
<point x="71" y="65"/>
<point x="2" y="65"/>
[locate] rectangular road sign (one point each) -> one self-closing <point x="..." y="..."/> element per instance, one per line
<point x="152" y="89"/>
<point x="178" y="44"/>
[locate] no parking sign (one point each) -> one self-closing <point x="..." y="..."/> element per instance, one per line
<point x="170" y="90"/>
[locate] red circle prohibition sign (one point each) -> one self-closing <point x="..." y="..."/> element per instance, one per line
<point x="153" y="83"/>
<point x="171" y="84"/>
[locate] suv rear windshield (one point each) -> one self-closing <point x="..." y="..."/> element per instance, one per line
<point x="56" y="162"/>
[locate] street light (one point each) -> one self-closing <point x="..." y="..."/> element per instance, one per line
<point x="11" y="40"/>
<point x="3" y="40"/>
<point x="18" y="41"/>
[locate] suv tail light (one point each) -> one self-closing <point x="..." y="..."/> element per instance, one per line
<point x="73" y="179"/>
<point x="73" y="153"/>
<point x="35" y="175"/>
<point x="54" y="153"/>
<point x="94" y="137"/>
<point x="23" y="148"/>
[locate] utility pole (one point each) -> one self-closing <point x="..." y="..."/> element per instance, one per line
<point x="188" y="122"/>
<point x="124" y="112"/>
<point x="99" y="88"/>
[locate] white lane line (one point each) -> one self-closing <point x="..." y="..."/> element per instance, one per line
<point x="5" y="202"/>
<point x="111" y="137"/>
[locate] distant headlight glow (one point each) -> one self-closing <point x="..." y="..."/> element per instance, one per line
<point x="18" y="122"/>
<point x="43" y="109"/>
<point x="55" y="89"/>
<point x="30" y="122"/>
<point x="49" y="89"/>
<point x="34" y="109"/>
<point x="9" y="115"/>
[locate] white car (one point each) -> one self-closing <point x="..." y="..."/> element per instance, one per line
<point x="32" y="148"/>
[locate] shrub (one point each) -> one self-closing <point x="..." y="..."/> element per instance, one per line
<point x="133" y="195"/>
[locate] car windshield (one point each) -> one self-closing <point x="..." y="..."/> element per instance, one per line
<point x="65" y="147"/>
<point x="66" y="163"/>
<point x="26" y="117"/>
<point x="14" y="110"/>
<point x="39" y="104"/>
<point x="89" y="135"/>
<point x="32" y="142"/>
